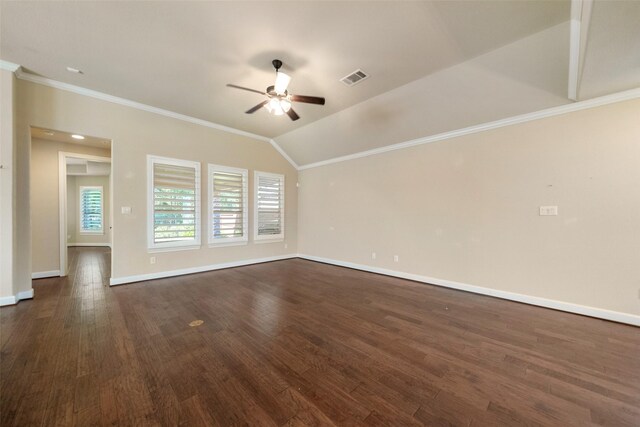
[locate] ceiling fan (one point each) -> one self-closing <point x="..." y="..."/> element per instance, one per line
<point x="279" y="100"/>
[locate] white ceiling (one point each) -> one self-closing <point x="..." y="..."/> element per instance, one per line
<point x="434" y="66"/>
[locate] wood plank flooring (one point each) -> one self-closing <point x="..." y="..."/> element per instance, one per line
<point x="301" y="343"/>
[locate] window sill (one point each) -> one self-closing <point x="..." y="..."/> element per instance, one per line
<point x="173" y="249"/>
<point x="92" y="233"/>
<point x="225" y="244"/>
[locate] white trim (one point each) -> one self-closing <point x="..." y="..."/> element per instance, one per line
<point x="25" y="295"/>
<point x="137" y="105"/>
<point x="9" y="66"/>
<point x="549" y="112"/>
<point x="100" y="232"/>
<point x="90" y="245"/>
<point x="62" y="211"/>
<point x="14" y="299"/>
<point x="271" y="237"/>
<point x="580" y="18"/>
<point x="10" y="300"/>
<point x="600" y="313"/>
<point x="222" y="241"/>
<point x="162" y="274"/>
<point x="45" y="274"/>
<point x="194" y="243"/>
<point x="62" y="199"/>
<point x="283" y="153"/>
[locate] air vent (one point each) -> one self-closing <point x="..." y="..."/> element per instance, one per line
<point x="355" y="77"/>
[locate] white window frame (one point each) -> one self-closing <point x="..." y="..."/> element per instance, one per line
<point x="271" y="237"/>
<point x="229" y="241"/>
<point x="81" y="213"/>
<point x="152" y="246"/>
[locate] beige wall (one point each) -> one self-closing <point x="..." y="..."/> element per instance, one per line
<point x="8" y="241"/>
<point x="74" y="182"/>
<point x="135" y="134"/>
<point x="44" y="200"/>
<point x="466" y="209"/>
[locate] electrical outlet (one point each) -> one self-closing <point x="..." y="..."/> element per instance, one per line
<point x="286" y="246"/>
<point x="373" y="255"/>
<point x="548" y="210"/>
<point x="152" y="260"/>
<point x="396" y="258"/>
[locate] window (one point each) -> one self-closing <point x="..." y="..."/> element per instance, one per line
<point x="269" y="206"/>
<point x="174" y="203"/>
<point x="228" y="217"/>
<point x="91" y="210"/>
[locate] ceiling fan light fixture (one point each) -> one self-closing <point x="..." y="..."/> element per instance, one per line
<point x="278" y="106"/>
<point x="282" y="81"/>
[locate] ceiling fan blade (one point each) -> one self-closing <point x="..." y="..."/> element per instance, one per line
<point x="308" y="99"/>
<point x="256" y="108"/>
<point x="245" y="88"/>
<point x="292" y="114"/>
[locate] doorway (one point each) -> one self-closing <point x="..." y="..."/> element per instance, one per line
<point x="82" y="195"/>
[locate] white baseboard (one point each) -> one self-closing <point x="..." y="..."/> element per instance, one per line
<point x="13" y="299"/>
<point x="44" y="274"/>
<point x="162" y="274"/>
<point x="10" y="300"/>
<point x="600" y="313"/>
<point x="95" y="245"/>
<point x="25" y="295"/>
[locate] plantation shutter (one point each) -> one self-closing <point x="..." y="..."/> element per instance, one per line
<point x="269" y="206"/>
<point x="175" y="208"/>
<point x="228" y="200"/>
<point x="91" y="210"/>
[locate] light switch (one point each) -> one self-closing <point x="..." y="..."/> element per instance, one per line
<point x="548" y="210"/>
<point x="126" y="210"/>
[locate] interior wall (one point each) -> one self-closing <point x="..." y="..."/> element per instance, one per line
<point x="7" y="188"/>
<point x="45" y="213"/>
<point x="467" y="209"/>
<point x="74" y="237"/>
<point x="135" y="134"/>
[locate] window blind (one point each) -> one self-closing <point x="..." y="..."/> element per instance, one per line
<point x="228" y="204"/>
<point x="175" y="202"/>
<point x="269" y="206"/>
<point x="91" y="210"/>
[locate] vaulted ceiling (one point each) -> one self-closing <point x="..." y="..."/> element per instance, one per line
<point x="434" y="66"/>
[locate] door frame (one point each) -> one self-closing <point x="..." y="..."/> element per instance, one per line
<point x="62" y="200"/>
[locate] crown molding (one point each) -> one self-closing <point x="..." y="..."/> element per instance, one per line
<point x="133" y="104"/>
<point x="537" y="115"/>
<point x="9" y="66"/>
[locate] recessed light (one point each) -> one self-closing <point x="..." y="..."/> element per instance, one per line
<point x="74" y="70"/>
<point x="77" y="136"/>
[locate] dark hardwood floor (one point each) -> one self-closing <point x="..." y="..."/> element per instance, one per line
<point x="301" y="343"/>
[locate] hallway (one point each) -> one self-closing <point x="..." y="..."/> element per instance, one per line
<point x="52" y="347"/>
